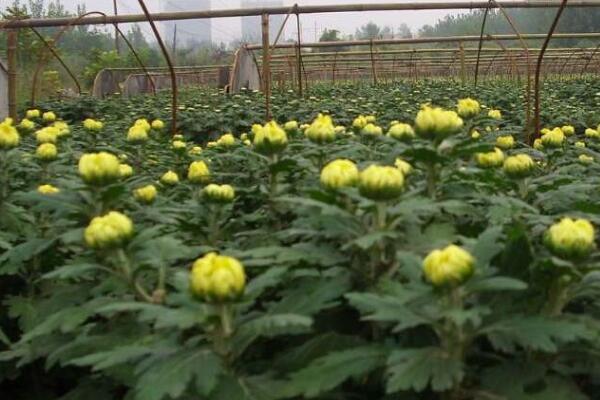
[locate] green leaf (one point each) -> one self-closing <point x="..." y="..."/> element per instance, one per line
<point x="494" y="283"/>
<point x="309" y="296"/>
<point x="171" y="375"/>
<point x="535" y="333"/>
<point x="529" y="381"/>
<point x="417" y="368"/>
<point x="488" y="245"/>
<point x="331" y="370"/>
<point x="106" y="359"/>
<point x="388" y="309"/>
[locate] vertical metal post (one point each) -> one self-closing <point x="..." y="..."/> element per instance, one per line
<point x="463" y="73"/>
<point x="299" y="52"/>
<point x="266" y="65"/>
<point x="117" y="46"/>
<point x="12" y="39"/>
<point x="373" y="70"/>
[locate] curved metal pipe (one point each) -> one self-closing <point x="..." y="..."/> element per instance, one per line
<point x="169" y="63"/>
<point x="539" y="67"/>
<point x="67" y="27"/>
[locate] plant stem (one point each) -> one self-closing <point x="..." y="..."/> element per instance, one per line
<point x="558" y="298"/>
<point x="523" y="185"/>
<point x="226" y="323"/>
<point x="431" y="180"/>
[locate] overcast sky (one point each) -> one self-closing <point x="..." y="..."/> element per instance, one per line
<point x="226" y="29"/>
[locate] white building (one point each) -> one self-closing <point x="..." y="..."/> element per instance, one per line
<point x="251" y="26"/>
<point x="186" y="33"/>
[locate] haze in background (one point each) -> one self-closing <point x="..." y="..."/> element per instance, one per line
<point x="229" y="29"/>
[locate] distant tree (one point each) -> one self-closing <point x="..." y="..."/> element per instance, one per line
<point x="404" y="31"/>
<point x="369" y="31"/>
<point x="332" y="35"/>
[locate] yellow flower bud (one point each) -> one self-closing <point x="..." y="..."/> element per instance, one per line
<point x="568" y="130"/>
<point x="290" y="127"/>
<point x="475" y="135"/>
<point x="505" y="142"/>
<point x="198" y="172"/>
<point x="9" y="137"/>
<point x="62" y="128"/>
<point x="370" y="119"/>
<point x="554" y="138"/>
<point x="269" y="139"/>
<point x="157" y="125"/>
<point x="321" y="130"/>
<point x="537" y="144"/>
<point x="491" y="159"/>
<point x="339" y="130"/>
<point x="92" y="125"/>
<point x="226" y="140"/>
<point x="339" y="173"/>
<point x="437" y="123"/>
<point x="450" y="266"/>
<point x="403" y="166"/>
<point x="580" y="144"/>
<point x="49" y="116"/>
<point x="47" y="189"/>
<point x="143" y="123"/>
<point x="99" y="168"/>
<point x="177" y="137"/>
<point x="27" y="125"/>
<point x="145" y="194"/>
<point x="585" y="159"/>
<point x="110" y="230"/>
<point x="381" y="182"/>
<point x="359" y="122"/>
<point x="219" y="193"/>
<point x="495" y="114"/>
<point x="468" y="108"/>
<point x="196" y="150"/>
<point x="592" y="133"/>
<point x="401" y="131"/>
<point x="371" y="130"/>
<point x="46" y="152"/>
<point x="137" y="134"/>
<point x="31" y="114"/>
<point x="571" y="238"/>
<point x="48" y="134"/>
<point x="217" y="279"/>
<point x="211" y="144"/>
<point x="169" y="178"/>
<point x="125" y="171"/>
<point x="179" y="146"/>
<point x="518" y="166"/>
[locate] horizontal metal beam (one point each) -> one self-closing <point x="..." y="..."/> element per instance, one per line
<point x="442" y="39"/>
<point x="316" y="9"/>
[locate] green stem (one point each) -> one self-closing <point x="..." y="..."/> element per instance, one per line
<point x="431" y="180"/>
<point x="523" y="186"/>
<point x="226" y="322"/>
<point x="380" y="219"/>
<point x="558" y="298"/>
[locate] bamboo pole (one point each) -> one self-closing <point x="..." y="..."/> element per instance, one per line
<point x="11" y="55"/>
<point x="316" y="9"/>
<point x="266" y="66"/>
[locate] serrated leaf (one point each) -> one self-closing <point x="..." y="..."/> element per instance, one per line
<point x="171" y="375"/>
<point x="331" y="370"/>
<point x="535" y="333"/>
<point x="417" y="369"/>
<point x="115" y="356"/>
